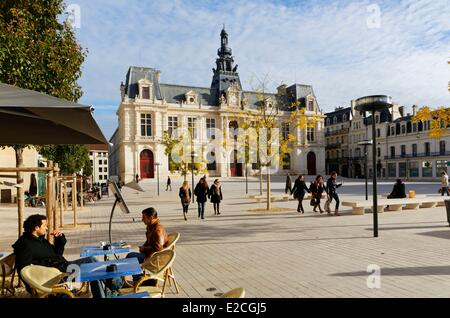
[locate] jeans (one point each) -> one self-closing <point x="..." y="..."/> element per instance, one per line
<point x="445" y="190"/>
<point x="140" y="257"/>
<point x="335" y="196"/>
<point x="97" y="286"/>
<point x="201" y="209"/>
<point x="185" y="207"/>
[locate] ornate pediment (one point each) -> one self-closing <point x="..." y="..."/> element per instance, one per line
<point x="191" y="97"/>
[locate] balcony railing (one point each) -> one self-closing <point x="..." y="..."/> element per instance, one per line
<point x="419" y="155"/>
<point x="337" y="132"/>
<point x="333" y="146"/>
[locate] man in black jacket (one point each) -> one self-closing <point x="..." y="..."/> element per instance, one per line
<point x="33" y="248"/>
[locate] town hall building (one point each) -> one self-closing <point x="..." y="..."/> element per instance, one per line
<point x="150" y="108"/>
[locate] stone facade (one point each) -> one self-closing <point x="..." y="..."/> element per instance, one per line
<point x="150" y="108"/>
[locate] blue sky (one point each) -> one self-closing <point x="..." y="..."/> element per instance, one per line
<point x="345" y="49"/>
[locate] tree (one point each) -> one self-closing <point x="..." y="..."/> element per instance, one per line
<point x="439" y="119"/>
<point x="71" y="158"/>
<point x="265" y="124"/>
<point x="40" y="53"/>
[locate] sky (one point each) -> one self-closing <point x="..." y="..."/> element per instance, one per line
<point x="344" y="49"/>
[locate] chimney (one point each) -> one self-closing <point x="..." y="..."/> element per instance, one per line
<point x="414" y="110"/>
<point x="122" y="90"/>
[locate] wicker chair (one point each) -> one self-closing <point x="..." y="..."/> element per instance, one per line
<point x="7" y="269"/>
<point x="234" y="293"/>
<point x="173" y="239"/>
<point x="45" y="281"/>
<point x="156" y="266"/>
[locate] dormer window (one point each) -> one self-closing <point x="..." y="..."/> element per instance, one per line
<point x="191" y="97"/>
<point x="344" y="117"/>
<point x="335" y="120"/>
<point x="145" y="88"/>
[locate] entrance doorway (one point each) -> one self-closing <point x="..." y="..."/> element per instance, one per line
<point x="311" y="165"/>
<point x="146" y="165"/>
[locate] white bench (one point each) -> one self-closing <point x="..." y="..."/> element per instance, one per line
<point x="358" y="206"/>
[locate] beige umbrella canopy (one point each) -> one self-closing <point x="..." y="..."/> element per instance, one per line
<point x="30" y="117"/>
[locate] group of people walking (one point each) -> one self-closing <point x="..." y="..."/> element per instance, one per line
<point x="202" y="191"/>
<point x="316" y="188"/>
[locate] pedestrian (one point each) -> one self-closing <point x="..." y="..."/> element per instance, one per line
<point x="299" y="192"/>
<point x="317" y="188"/>
<point x="288" y="184"/>
<point x="169" y="183"/>
<point x="215" y="193"/>
<point x="444" y="183"/>
<point x="398" y="192"/>
<point x="332" y="194"/>
<point x="185" y="195"/>
<point x="32" y="190"/>
<point x="201" y="191"/>
<point x="137" y="178"/>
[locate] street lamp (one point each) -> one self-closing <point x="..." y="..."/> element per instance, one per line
<point x="157" y="164"/>
<point x="373" y="104"/>
<point x="193" y="155"/>
<point x="365" y="143"/>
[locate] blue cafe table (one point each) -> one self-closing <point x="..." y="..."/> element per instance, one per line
<point x="116" y="248"/>
<point x="97" y="270"/>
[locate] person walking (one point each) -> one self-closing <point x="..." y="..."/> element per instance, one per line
<point x="317" y="188"/>
<point x="137" y="178"/>
<point x="299" y="192"/>
<point x="169" y="183"/>
<point x="215" y="193"/>
<point x="332" y="194"/>
<point x="444" y="183"/>
<point x="185" y="195"/>
<point x="201" y="191"/>
<point x="288" y="184"/>
<point x="32" y="190"/>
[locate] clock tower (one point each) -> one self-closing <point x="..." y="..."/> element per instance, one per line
<point x="225" y="74"/>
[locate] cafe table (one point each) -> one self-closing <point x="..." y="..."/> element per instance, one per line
<point x="98" y="270"/>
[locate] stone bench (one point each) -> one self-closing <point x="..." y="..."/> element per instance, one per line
<point x="263" y="198"/>
<point x="358" y="206"/>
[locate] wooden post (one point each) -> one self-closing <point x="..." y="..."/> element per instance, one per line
<point x="49" y="201"/>
<point x="61" y="202"/>
<point x="74" y="200"/>
<point x="56" y="213"/>
<point x="66" y="203"/>
<point x="81" y="193"/>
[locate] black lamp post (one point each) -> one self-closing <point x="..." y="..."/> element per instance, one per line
<point x="192" y="170"/>
<point x="157" y="164"/>
<point x="373" y="104"/>
<point x="365" y="143"/>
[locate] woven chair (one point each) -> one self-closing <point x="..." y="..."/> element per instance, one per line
<point x="173" y="239"/>
<point x="234" y="293"/>
<point x="7" y="270"/>
<point x="156" y="266"/>
<point x="45" y="281"/>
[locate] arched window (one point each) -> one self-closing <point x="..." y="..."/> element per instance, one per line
<point x="335" y="120"/>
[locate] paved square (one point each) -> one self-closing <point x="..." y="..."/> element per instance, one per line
<point x="280" y="254"/>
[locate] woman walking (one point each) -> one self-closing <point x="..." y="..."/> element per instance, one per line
<point x="332" y="194"/>
<point x="201" y="191"/>
<point x="216" y="196"/>
<point x="299" y="192"/>
<point x="317" y="188"/>
<point x="185" y="196"/>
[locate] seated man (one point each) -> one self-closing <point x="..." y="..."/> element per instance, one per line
<point x="157" y="237"/>
<point x="33" y="248"/>
<point x="399" y="190"/>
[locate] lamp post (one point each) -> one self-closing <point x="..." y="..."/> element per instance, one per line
<point x="157" y="164"/>
<point x="193" y="155"/>
<point x="365" y="143"/>
<point x="373" y="104"/>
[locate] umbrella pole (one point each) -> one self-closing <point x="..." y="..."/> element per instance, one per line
<point x="74" y="200"/>
<point x="49" y="201"/>
<point x="56" y="196"/>
<point x="61" y="202"/>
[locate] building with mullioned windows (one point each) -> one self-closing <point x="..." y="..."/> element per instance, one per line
<point x="149" y="108"/>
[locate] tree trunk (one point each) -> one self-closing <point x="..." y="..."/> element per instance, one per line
<point x="20" y="191"/>
<point x="260" y="180"/>
<point x="269" y="204"/>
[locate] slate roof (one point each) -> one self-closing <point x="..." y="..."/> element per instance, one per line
<point x="339" y="114"/>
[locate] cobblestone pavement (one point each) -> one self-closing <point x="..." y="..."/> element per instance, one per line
<point x="279" y="254"/>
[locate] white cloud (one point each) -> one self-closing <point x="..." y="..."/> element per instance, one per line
<point x="328" y="45"/>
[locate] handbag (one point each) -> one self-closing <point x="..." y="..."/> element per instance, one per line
<point x="312" y="202"/>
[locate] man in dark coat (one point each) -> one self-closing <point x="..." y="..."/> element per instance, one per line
<point x="33" y="248"/>
<point x="398" y="192"/>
